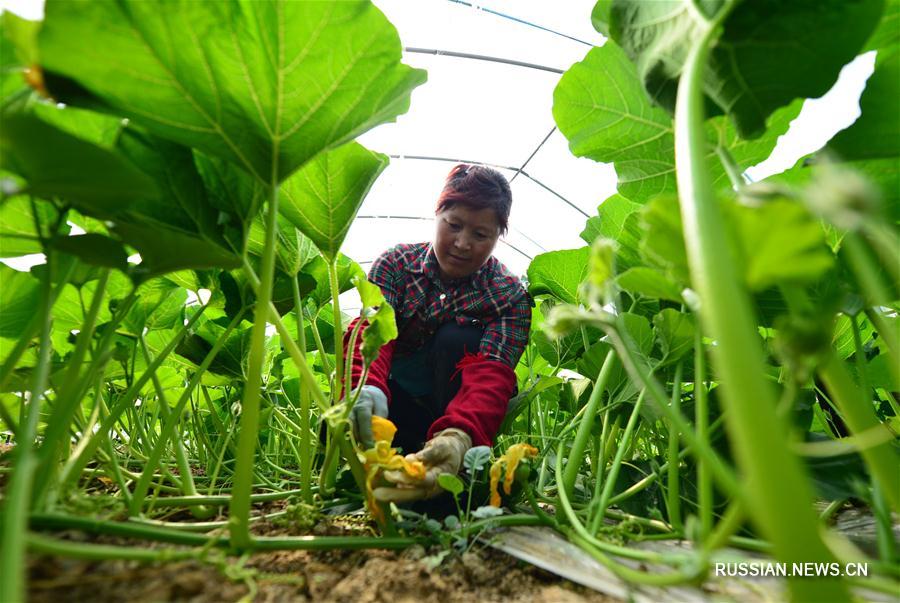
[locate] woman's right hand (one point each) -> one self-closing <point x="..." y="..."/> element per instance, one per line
<point x="371" y="402"/>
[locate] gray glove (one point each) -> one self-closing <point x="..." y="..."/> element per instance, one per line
<point x="371" y="402"/>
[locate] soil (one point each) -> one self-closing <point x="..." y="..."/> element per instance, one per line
<point x="414" y="575"/>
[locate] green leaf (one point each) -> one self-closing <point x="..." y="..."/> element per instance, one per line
<point x="451" y="484"/>
<point x="233" y="195"/>
<point x="318" y="269"/>
<point x="617" y="219"/>
<point x="649" y="282"/>
<point x="18" y="234"/>
<point x="662" y="245"/>
<point x="601" y="108"/>
<point x="97" y="180"/>
<point x="97" y="128"/>
<point x="559" y="273"/>
<point x="94" y="249"/>
<point x="876" y="134"/>
<point x="871" y="145"/>
<point x="781" y="243"/>
<point x="888" y="31"/>
<point x="266" y="86"/>
<point x="382" y="326"/>
<point x="164" y="251"/>
<point x="19" y="295"/>
<point x="638" y="328"/>
<point x="69" y="309"/>
<point x="842" y="338"/>
<point x="159" y="305"/>
<point x="294" y="251"/>
<point x="322" y="198"/>
<point x="476" y="458"/>
<point x="675" y="332"/>
<point x="18" y="50"/>
<point x="181" y="204"/>
<point x="762" y="60"/>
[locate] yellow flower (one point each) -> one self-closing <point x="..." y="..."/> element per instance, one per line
<point x="383" y="430"/>
<point x="514" y="454"/>
<point x="382" y="457"/>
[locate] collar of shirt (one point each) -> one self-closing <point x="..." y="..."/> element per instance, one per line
<point x="426" y="263"/>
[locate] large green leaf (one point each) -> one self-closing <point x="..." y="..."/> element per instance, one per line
<point x="94" y="249"/>
<point x="770" y="51"/>
<point x="559" y="273"/>
<point x="96" y="179"/>
<point x="876" y="134"/>
<point x="159" y="305"/>
<point x="18" y="52"/>
<point x="601" y="108"/>
<point x="19" y="293"/>
<point x="178" y="228"/>
<point x="265" y="85"/>
<point x="71" y="305"/>
<point x="322" y="198"/>
<point x="18" y="230"/>
<point x="872" y="144"/>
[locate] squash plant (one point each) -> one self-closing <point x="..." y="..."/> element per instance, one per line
<point x="682" y="98"/>
<point x="207" y="114"/>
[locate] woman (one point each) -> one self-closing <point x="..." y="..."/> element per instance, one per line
<point x="462" y="321"/>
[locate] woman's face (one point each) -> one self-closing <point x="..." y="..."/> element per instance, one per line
<point x="464" y="240"/>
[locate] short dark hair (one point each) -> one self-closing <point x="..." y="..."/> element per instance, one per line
<point x="477" y="187"/>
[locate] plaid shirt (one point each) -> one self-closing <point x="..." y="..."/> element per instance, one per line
<point x="491" y="297"/>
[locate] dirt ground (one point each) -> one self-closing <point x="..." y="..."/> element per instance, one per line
<point x="367" y="576"/>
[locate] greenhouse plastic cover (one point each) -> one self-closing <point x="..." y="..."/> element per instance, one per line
<point x="499" y="114"/>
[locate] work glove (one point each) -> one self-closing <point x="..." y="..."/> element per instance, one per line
<point x="442" y="454"/>
<point x="371" y="402"/>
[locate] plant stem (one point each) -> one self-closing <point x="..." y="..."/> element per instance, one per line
<point x="306" y="375"/>
<point x="857" y="411"/>
<point x="583" y="434"/>
<point x="779" y="493"/>
<point x="239" y="509"/>
<point x="81" y="456"/>
<point x="56" y="435"/>
<point x="306" y="442"/>
<point x="18" y="494"/>
<point x="620" y="455"/>
<point x="184" y="467"/>
<point x="337" y="389"/>
<point x="673" y="490"/>
<point x="701" y="421"/>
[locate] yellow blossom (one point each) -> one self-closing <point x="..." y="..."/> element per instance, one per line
<point x="514" y="454"/>
<point x="383" y="430"/>
<point x="382" y="457"/>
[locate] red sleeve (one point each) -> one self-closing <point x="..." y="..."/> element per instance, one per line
<point x="379" y="370"/>
<point x="480" y="405"/>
